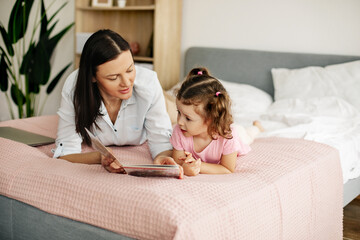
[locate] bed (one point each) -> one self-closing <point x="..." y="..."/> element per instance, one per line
<point x="285" y="188"/>
<point x="254" y="68"/>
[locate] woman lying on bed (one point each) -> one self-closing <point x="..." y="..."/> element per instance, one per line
<point x="122" y="104"/>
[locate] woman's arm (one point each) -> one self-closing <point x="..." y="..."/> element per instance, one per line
<point x="88" y="158"/>
<point x="68" y="141"/>
<point x="226" y="165"/>
<point x="94" y="158"/>
<point x="157" y="122"/>
<point x="164" y="158"/>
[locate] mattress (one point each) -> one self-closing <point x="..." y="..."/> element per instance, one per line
<point x="283" y="189"/>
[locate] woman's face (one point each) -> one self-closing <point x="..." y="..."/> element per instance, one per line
<point x="115" y="78"/>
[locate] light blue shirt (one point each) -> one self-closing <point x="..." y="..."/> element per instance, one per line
<point x="141" y="118"/>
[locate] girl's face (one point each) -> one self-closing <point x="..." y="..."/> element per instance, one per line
<point x="190" y="122"/>
<point x="115" y="78"/>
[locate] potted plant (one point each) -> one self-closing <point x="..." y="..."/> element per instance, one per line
<point x="25" y="63"/>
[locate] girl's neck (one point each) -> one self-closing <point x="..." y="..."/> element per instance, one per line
<point x="203" y="136"/>
<point x="201" y="142"/>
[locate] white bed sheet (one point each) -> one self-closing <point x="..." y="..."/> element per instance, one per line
<point x="328" y="120"/>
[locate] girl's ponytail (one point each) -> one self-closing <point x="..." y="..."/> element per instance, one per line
<point x="197" y="72"/>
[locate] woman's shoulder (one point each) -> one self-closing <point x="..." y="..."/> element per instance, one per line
<point x="144" y="76"/>
<point x="146" y="82"/>
<point x="70" y="82"/>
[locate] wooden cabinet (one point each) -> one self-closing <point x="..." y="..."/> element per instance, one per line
<point x="154" y="24"/>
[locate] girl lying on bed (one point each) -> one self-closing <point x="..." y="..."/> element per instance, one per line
<point x="204" y="139"/>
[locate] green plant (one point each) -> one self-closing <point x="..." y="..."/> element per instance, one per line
<point x="25" y="64"/>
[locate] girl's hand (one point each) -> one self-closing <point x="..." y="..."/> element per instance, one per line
<point x="108" y="163"/>
<point x="188" y="158"/>
<point x="191" y="166"/>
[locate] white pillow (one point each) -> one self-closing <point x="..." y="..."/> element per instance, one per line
<point x="340" y="80"/>
<point x="245" y="98"/>
<point x="324" y="106"/>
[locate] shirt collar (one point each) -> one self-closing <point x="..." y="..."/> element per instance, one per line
<point x="124" y="103"/>
<point x="129" y="101"/>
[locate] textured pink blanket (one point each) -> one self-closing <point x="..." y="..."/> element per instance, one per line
<point x="283" y="189"/>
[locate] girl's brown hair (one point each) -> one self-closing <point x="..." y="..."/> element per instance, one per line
<point x="200" y="87"/>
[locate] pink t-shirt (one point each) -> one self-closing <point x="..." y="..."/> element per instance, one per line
<point x="214" y="151"/>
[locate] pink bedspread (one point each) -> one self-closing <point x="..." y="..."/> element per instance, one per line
<point x="283" y="189"/>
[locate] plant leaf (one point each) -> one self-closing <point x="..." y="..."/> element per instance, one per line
<point x="28" y="59"/>
<point x="34" y="88"/>
<point x="56" y="79"/>
<point x="36" y="66"/>
<point x="4" y="78"/>
<point x="15" y="94"/>
<point x="19" y="19"/>
<point x="44" y="21"/>
<point x="7" y="58"/>
<point x="7" y="40"/>
<point x="51" y="44"/>
<point x="57" y="11"/>
<point x="39" y="70"/>
<point x="51" y="28"/>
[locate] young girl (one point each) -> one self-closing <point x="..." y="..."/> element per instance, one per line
<point x="204" y="139"/>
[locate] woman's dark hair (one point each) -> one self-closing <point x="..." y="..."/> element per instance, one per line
<point x="199" y="88"/>
<point x="101" y="47"/>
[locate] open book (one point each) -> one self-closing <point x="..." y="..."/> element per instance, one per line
<point x="140" y="170"/>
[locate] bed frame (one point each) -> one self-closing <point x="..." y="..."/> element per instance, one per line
<point x="253" y="67"/>
<point x="245" y="66"/>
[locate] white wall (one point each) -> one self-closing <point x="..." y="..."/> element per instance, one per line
<point x="63" y="54"/>
<point x="311" y="26"/>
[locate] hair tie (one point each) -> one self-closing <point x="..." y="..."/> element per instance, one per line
<point x="199" y="72"/>
<point x="217" y="93"/>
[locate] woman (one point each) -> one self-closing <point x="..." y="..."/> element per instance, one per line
<point x="122" y="104"/>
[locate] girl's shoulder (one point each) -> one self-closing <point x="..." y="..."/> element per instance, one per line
<point x="177" y="131"/>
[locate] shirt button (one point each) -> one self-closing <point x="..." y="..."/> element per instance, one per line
<point x="115" y="130"/>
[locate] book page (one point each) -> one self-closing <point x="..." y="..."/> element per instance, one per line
<point x="97" y="145"/>
<point x="140" y="170"/>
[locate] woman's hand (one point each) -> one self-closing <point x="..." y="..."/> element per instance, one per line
<point x="164" y="160"/>
<point x="108" y="163"/>
<point x="191" y="166"/>
<point x="167" y="160"/>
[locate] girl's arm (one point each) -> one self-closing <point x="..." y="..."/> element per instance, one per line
<point x="226" y="165"/>
<point x="177" y="154"/>
<point x="190" y="166"/>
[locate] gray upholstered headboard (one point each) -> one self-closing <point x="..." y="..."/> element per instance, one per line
<point x="251" y="66"/>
